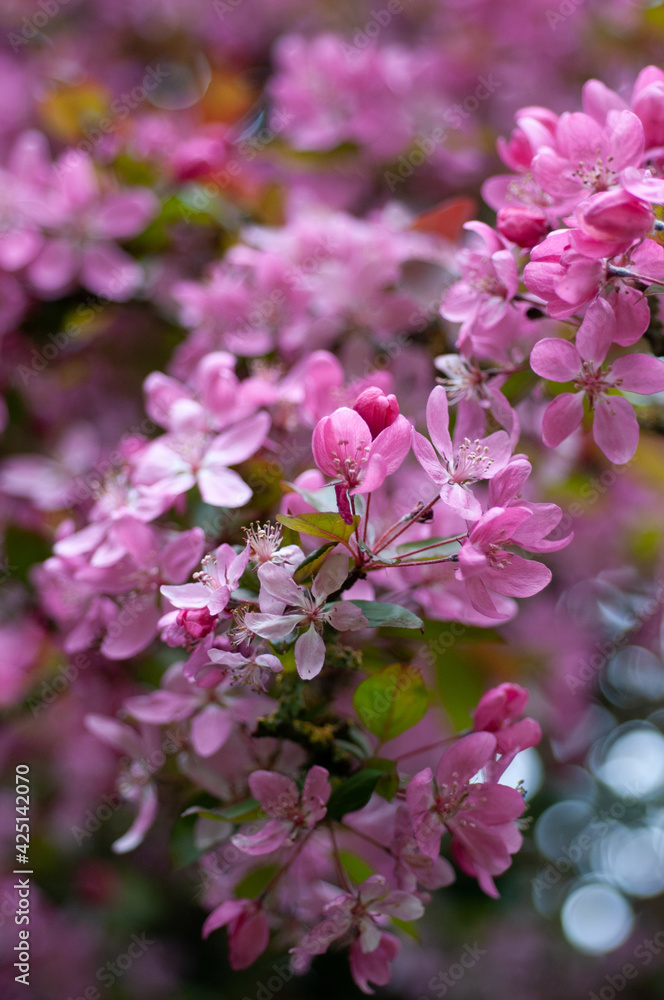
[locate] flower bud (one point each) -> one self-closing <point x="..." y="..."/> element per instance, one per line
<point x="523" y="226"/>
<point x="197" y="622"/>
<point x="614" y="215"/>
<point x="376" y="409"/>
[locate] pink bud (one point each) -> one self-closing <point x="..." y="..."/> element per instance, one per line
<point x="197" y="622"/>
<point x="523" y="226"/>
<point x="376" y="409"/>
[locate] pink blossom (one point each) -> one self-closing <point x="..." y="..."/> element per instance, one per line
<point x="308" y="610"/>
<point x="377" y="409"/>
<point x="290" y="813"/>
<point x="489" y="281"/>
<point x="219" y="576"/>
<point x="485" y="566"/>
<point x="615" y="427"/>
<point x="497" y="712"/>
<point x="466" y="462"/>
<point x="477" y="814"/>
<point x="345" y="448"/>
<point x="174" y="463"/>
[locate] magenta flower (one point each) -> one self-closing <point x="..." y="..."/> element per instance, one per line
<point x="564" y="278"/>
<point x="475" y="813"/>
<point x="486" y="567"/>
<point x="377" y="409"/>
<point x="248" y="930"/>
<point x="465" y="463"/>
<point x="411" y="865"/>
<point x="615" y="427"/>
<point x="308" y="610"/>
<point x="345" y="449"/>
<point x="174" y="463"/>
<point x="505" y="490"/>
<point x="290" y="813"/>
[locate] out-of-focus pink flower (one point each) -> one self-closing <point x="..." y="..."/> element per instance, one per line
<point x="290" y="813"/>
<point x="497" y="712"/>
<point x="521" y="225"/>
<point x="248" y="930"/>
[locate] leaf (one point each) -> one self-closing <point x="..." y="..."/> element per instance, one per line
<point x="408" y="927"/>
<point x="379" y="613"/>
<point x="312" y="563"/>
<point x="358" y="869"/>
<point x="239" y="812"/>
<point x="327" y="524"/>
<point x="184" y="850"/>
<point x="444" y="548"/>
<point x="387" y="785"/>
<point x="253" y="884"/>
<point x="353" y="793"/>
<point x="391" y="701"/>
<point x="447" y="219"/>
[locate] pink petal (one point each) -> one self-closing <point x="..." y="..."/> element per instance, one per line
<point x="465" y="758"/>
<point x="597" y="331"/>
<point x="110" y="272"/>
<point x="210" y="729"/>
<point x="561" y="418"/>
<point x="275" y="792"/>
<point x="519" y="578"/>
<point x="189" y="595"/>
<point x="133" y="628"/>
<point x="555" y="359"/>
<point x="640" y="373"/>
<point x="269" y="838"/>
<point x="239" y="442"/>
<point x="438" y="420"/>
<point x="346" y="617"/>
<point x="426" y="456"/>
<point x="331" y="576"/>
<point x="616" y="429"/>
<point x="309" y="654"/>
<point x="160" y="707"/>
<point x="147" y="811"/>
<point x="223" y="487"/>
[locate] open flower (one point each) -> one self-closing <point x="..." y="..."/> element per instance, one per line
<point x="289" y="812"/>
<point x="465" y="462"/>
<point x="615" y="427"/>
<point x="308" y="609"/>
<point x="248" y="930"/>
<point x="345" y="448"/>
<point x="485" y="566"/>
<point x="479" y="815"/>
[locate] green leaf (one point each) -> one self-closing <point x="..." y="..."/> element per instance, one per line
<point x="253" y="884"/>
<point x="353" y="793"/>
<point x="380" y="613"/>
<point x="312" y="563"/>
<point x="391" y="701"/>
<point x="184" y="850"/>
<point x="358" y="869"/>
<point x="240" y="812"/>
<point x="409" y="927"/>
<point x="444" y="548"/>
<point x="328" y="524"/>
<point x="388" y="785"/>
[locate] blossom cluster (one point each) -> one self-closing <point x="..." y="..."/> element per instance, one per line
<point x="344" y="417"/>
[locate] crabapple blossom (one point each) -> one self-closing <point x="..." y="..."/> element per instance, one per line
<point x="290" y="813"/>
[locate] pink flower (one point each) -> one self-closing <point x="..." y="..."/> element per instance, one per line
<point x="344" y="447"/>
<point x="308" y="610"/>
<point x="609" y="223"/>
<point x="521" y="225"/>
<point x="373" y="966"/>
<point x="489" y="281"/>
<point x="411" y="865"/>
<point x="174" y="463"/>
<point x="563" y="277"/>
<point x="218" y="578"/>
<point x="485" y="566"/>
<point x="289" y="813"/>
<point x="477" y="814"/>
<point x="505" y="490"/>
<point x="615" y="427"/>
<point x="248" y="930"/>
<point x="464" y="464"/>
